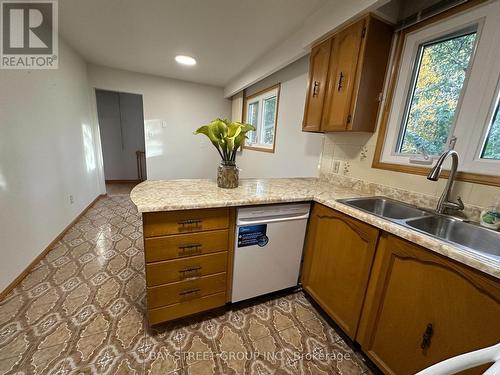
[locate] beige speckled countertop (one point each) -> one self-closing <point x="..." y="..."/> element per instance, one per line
<point x="171" y="195"/>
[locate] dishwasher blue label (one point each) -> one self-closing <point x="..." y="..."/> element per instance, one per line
<point x="253" y="235"/>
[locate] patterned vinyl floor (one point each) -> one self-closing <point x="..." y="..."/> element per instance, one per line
<point x="82" y="311"/>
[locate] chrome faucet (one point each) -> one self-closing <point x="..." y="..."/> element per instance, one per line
<point x="444" y="202"/>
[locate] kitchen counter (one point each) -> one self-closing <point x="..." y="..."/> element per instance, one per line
<point x="172" y="195"/>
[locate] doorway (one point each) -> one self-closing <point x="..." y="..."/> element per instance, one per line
<point x="121" y="127"/>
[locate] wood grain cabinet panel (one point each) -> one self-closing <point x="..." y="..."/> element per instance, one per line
<point x="186" y="308"/>
<point x="175" y="222"/>
<point x="182" y="291"/>
<point x="343" y="68"/>
<point x="316" y="89"/>
<point x="422" y="308"/>
<point x="183" y="245"/>
<point x="338" y="259"/>
<point x="184" y="269"/>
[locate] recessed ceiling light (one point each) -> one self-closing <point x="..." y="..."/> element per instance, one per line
<point x="185" y="60"/>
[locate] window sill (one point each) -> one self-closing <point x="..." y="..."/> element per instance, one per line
<point x="262" y="149"/>
<point x="475" y="178"/>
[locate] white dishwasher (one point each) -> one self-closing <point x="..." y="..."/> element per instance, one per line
<point x="268" y="250"/>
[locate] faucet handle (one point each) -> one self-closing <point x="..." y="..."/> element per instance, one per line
<point x="460" y="204"/>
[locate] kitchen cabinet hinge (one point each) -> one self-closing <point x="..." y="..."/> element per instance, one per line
<point x="363" y="32"/>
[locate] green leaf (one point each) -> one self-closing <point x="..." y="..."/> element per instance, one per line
<point x="226" y="136"/>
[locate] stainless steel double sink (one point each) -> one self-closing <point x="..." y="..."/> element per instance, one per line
<point x="470" y="237"/>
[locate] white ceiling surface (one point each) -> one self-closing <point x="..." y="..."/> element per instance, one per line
<point x="225" y="36"/>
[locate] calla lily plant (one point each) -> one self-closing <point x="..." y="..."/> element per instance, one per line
<point x="226" y="137"/>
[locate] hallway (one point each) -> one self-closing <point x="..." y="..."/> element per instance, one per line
<point x="82" y="310"/>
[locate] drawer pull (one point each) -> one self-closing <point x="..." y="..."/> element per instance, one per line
<point x="190" y="272"/>
<point x="189" y="248"/>
<point x="190" y="291"/>
<point x="426" y="337"/>
<point x="189" y="222"/>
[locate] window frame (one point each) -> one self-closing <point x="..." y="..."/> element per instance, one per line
<point x="454" y="16"/>
<point x="260" y="97"/>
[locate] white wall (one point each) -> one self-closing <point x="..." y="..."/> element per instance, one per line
<point x="173" y="109"/>
<point x="121" y="126"/>
<point x="297" y="153"/>
<point x="47" y="144"/>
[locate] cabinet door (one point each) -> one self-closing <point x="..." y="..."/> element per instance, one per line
<point x="339" y="255"/>
<point x="341" y="81"/>
<point x="318" y="71"/>
<point x="422" y="308"/>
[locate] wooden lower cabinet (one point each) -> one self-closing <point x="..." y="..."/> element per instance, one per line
<point x="188" y="256"/>
<point x="337" y="263"/>
<point x="422" y="308"/>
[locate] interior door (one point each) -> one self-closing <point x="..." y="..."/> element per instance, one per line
<point x="343" y="66"/>
<point x="318" y="72"/>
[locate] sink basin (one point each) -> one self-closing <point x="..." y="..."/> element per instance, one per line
<point x="384" y="207"/>
<point x="471" y="236"/>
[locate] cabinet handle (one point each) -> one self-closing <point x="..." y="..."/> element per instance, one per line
<point x="189" y="248"/>
<point x="189" y="221"/>
<point x="426" y="337"/>
<point x="190" y="269"/>
<point x="189" y="291"/>
<point x="316" y="88"/>
<point x="341" y="80"/>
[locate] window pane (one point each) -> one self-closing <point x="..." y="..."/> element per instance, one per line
<point x="438" y="80"/>
<point x="491" y="148"/>
<point x="252" y="118"/>
<point x="269" y="107"/>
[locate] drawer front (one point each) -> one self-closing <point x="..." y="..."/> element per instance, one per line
<point x="183" y="291"/>
<point x="185" y="269"/>
<point x="182" y="245"/>
<point x="179" y="310"/>
<point x="175" y="222"/>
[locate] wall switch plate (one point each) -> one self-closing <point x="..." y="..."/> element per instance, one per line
<point x="71" y="199"/>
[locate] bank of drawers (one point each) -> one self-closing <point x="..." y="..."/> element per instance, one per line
<point x="187" y="261"/>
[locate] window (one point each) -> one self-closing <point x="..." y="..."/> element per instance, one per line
<point x="491" y="148"/>
<point x="439" y="76"/>
<point x="261" y="110"/>
<point x="444" y="93"/>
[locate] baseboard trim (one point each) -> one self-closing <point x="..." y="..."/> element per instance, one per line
<point x="28" y="269"/>
<point x="122" y="181"/>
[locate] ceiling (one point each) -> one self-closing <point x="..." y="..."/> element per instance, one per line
<point x="225" y="36"/>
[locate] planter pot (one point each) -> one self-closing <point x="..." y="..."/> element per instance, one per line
<point x="227" y="176"/>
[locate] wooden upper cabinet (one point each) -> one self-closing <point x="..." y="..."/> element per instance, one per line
<point x="337" y="263"/>
<point x="318" y="70"/>
<point x="422" y="308"/>
<point x="343" y="67"/>
<point x="358" y="59"/>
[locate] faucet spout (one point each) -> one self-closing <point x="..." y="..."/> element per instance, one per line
<point x="444" y="201"/>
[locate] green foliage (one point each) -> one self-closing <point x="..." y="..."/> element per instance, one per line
<point x="492" y="146"/>
<point x="226" y="136"/>
<point x="441" y="75"/>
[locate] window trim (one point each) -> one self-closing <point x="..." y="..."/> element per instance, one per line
<point x="248" y="98"/>
<point x="393" y="73"/>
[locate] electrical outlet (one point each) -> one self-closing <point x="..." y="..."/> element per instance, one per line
<point x="335" y="166"/>
<point x="71" y="199"/>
